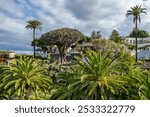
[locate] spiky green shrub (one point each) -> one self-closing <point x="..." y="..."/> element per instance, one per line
<point x="25" y="77"/>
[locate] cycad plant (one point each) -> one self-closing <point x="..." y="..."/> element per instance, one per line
<point x="25" y="77"/>
<point x="132" y="75"/>
<point x="144" y="89"/>
<point x="97" y="76"/>
<point x="60" y="88"/>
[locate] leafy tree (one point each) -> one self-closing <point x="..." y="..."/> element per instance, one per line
<point x="87" y="39"/>
<point x="105" y="45"/>
<point x="116" y="37"/>
<point x="136" y="11"/>
<point x="63" y="39"/>
<point x="140" y="33"/>
<point x="25" y="77"/>
<point x="33" y="25"/>
<point x="131" y="47"/>
<point x="96" y="34"/>
<point x="39" y="43"/>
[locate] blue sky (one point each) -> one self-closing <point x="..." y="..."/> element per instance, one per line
<point x="85" y="15"/>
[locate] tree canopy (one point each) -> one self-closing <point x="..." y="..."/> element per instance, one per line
<point x="103" y="45"/>
<point x="136" y="12"/>
<point x="96" y="34"/>
<point x="63" y="39"/>
<point x="115" y="36"/>
<point x="140" y="33"/>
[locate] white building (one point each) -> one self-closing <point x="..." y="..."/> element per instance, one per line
<point x="143" y="46"/>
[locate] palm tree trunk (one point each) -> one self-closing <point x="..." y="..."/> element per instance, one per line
<point x="136" y="43"/>
<point x="34" y="42"/>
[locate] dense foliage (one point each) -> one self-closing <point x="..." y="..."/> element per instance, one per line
<point x="100" y="75"/>
<point x="104" y="45"/>
<point x="140" y="33"/>
<point x="96" y="75"/>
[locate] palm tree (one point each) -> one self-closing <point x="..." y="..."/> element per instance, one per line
<point x="34" y="24"/>
<point x="97" y="76"/>
<point x="136" y="11"/>
<point x="24" y="77"/>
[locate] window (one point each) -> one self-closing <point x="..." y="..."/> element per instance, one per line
<point x="130" y="41"/>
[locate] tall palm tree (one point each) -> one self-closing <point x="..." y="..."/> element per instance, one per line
<point x="34" y="24"/>
<point x="136" y="11"/>
<point x="24" y="77"/>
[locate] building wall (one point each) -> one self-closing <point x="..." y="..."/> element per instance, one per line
<point x="143" y="46"/>
<point x="131" y="41"/>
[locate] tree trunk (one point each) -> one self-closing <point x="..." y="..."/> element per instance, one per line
<point x="34" y="43"/>
<point x="48" y="53"/>
<point x="136" y="43"/>
<point x="60" y="48"/>
<point x="64" y="54"/>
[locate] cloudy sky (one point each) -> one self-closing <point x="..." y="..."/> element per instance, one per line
<point x="84" y="15"/>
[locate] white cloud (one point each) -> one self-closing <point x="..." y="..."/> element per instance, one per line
<point x="85" y="15"/>
<point x="12" y="8"/>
